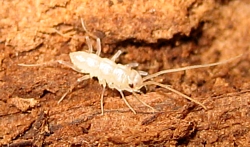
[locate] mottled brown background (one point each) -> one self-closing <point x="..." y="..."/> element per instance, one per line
<point x="159" y="34"/>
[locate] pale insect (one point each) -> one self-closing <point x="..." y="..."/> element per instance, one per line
<point x="117" y="76"/>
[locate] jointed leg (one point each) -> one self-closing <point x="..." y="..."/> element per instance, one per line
<point x="89" y="44"/>
<point x="98" y="41"/>
<point x="143" y="73"/>
<point x="99" y="47"/>
<point x="132" y="65"/>
<point x="73" y="86"/>
<point x="98" y="44"/>
<point x="126" y="102"/>
<point x="116" y="55"/>
<point x="102" y="103"/>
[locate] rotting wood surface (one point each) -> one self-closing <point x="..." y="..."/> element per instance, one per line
<point x="156" y="34"/>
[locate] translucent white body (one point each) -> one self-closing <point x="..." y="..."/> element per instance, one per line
<point x="116" y="76"/>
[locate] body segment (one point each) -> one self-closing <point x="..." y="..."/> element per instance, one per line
<point x="117" y="76"/>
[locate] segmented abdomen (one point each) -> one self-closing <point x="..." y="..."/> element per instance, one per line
<point x="107" y="71"/>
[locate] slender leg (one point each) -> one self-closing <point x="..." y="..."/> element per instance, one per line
<point x="143" y="102"/>
<point x="73" y="86"/>
<point x="126" y="102"/>
<point x="98" y="40"/>
<point x="89" y="44"/>
<point x="102" y="104"/>
<point x="98" y="44"/>
<point x="132" y="65"/>
<point x="99" y="47"/>
<point x="143" y="73"/>
<point x="83" y="78"/>
<point x="116" y="55"/>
